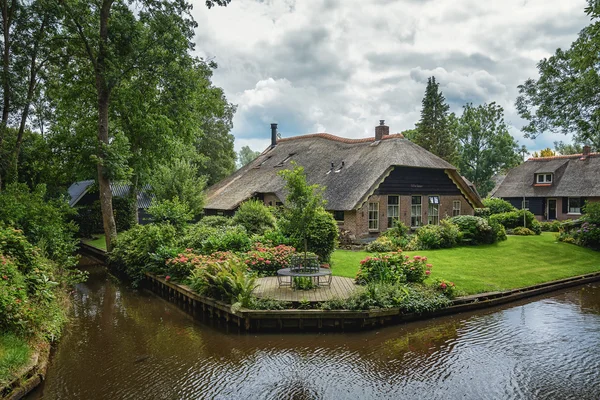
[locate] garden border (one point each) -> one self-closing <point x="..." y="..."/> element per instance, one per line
<point x="294" y="319"/>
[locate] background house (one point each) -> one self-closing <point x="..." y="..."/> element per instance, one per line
<point x="369" y="182"/>
<point x="555" y="188"/>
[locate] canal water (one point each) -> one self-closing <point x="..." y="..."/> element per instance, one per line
<point x="128" y="344"/>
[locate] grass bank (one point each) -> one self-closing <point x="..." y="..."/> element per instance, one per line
<point x="517" y="262"/>
<point x="14" y="354"/>
<point x="97" y="241"/>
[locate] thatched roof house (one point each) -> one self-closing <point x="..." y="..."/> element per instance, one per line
<point x="553" y="187"/>
<point x="359" y="176"/>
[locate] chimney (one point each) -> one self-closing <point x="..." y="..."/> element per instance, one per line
<point x="273" y="135"/>
<point x="586" y="150"/>
<point x="381" y="130"/>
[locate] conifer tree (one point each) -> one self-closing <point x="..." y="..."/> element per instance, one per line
<point x="432" y="131"/>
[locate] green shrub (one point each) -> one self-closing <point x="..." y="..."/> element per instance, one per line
<point x="89" y="217"/>
<point x="232" y="238"/>
<point x="382" y="244"/>
<point x="269" y="304"/>
<point x="216" y="221"/>
<point x="133" y="250"/>
<point x="588" y="235"/>
<point x="511" y="220"/>
<point x="475" y="230"/>
<point x="592" y="212"/>
<point x="553" y="226"/>
<point x="521" y="231"/>
<point x="322" y="234"/>
<point x="266" y="261"/>
<point x="482" y="212"/>
<point x="446" y="288"/>
<point x="498" y="206"/>
<point x="224" y="280"/>
<point x="255" y="217"/>
<point x="442" y="236"/>
<point x="393" y="268"/>
<point x="195" y="234"/>
<point x="273" y="237"/>
<point x="46" y="223"/>
<point x="399" y="230"/>
<point x="173" y="212"/>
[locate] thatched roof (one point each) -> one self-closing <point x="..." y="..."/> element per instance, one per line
<point x="574" y="176"/>
<point x="366" y="163"/>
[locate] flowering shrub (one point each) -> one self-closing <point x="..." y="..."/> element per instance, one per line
<point x="444" y="235"/>
<point x="522" y="231"/>
<point x="181" y="266"/>
<point x="267" y="260"/>
<point x="393" y="268"/>
<point x="12" y="295"/>
<point x="588" y="235"/>
<point x="476" y="230"/>
<point x="382" y="244"/>
<point x="447" y="288"/>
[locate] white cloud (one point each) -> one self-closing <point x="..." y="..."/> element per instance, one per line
<point x="340" y="66"/>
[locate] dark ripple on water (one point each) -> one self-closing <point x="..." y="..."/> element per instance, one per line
<point x="131" y="345"/>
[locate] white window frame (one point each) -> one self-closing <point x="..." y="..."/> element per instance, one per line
<point x="574" y="210"/>
<point x="373" y="216"/>
<point x="393" y="211"/>
<point x="543" y="178"/>
<point x="416" y="212"/>
<point x="433" y="210"/>
<point x="456" y="204"/>
<point x="526" y="204"/>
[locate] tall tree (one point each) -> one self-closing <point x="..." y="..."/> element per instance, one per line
<point x="247" y="155"/>
<point x="486" y="146"/>
<point x="432" y="131"/>
<point x="565" y="97"/>
<point x="568" y="148"/>
<point x="110" y="43"/>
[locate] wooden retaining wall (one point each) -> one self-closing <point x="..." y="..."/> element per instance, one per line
<point x="294" y="320"/>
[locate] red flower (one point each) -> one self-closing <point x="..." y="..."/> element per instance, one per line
<point x="427" y="272"/>
<point x="443" y="285"/>
<point x="5" y="277"/>
<point x="167" y="278"/>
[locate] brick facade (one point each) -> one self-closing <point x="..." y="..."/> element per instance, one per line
<point x="357" y="221"/>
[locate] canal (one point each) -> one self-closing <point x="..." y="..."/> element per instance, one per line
<point x="128" y="344"/>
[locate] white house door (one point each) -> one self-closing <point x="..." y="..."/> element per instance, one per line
<point x="551" y="209"/>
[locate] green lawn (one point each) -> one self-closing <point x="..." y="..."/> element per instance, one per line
<point x="517" y="262"/>
<point x="14" y="353"/>
<point x="98" y="241"/>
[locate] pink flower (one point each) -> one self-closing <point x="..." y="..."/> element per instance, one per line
<point x="443" y="285"/>
<point x="267" y="262"/>
<point x="429" y="265"/>
<point x="167" y="278"/>
<point x="428" y="272"/>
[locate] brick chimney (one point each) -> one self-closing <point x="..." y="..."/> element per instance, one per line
<point x="381" y="130"/>
<point x="273" y="135"/>
<point x="586" y="150"/>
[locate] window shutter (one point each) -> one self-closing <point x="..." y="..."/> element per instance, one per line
<point x="565" y="205"/>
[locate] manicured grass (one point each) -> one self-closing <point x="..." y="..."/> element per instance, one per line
<point x="98" y="241"/>
<point x="517" y="262"/>
<point x="14" y="353"/>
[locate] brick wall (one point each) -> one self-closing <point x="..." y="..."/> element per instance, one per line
<point x="358" y="221"/>
<point x="271" y="199"/>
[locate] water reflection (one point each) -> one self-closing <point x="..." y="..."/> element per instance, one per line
<point x="125" y="344"/>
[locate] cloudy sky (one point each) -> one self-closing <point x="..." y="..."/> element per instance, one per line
<point x="339" y="66"/>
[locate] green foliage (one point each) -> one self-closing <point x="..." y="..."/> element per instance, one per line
<point x="255" y="217"/>
<point x="14" y="354"/>
<point x="265" y="261"/>
<point x="303" y="283"/>
<point x="393" y="268"/>
<point x="432" y="131"/>
<point x="498" y="206"/>
<point x="195" y="234"/>
<point x="89" y="218"/>
<point x="592" y="212"/>
<point x="511" y="220"/>
<point x="522" y="231"/>
<point x="442" y="236"/>
<point x="44" y="222"/>
<point x="486" y="146"/>
<point x="553" y="226"/>
<point x="304" y="218"/>
<point x="180" y="180"/>
<point x="233" y="238"/>
<point x="475" y="230"/>
<point x="269" y="304"/>
<point x="173" y="211"/>
<point x="273" y="237"/>
<point x="246" y="156"/>
<point x="565" y="96"/>
<point x="482" y="212"/>
<point x="382" y="244"/>
<point x="133" y="250"/>
<point x="445" y="287"/>
<point x="224" y="280"/>
<point x="216" y="221"/>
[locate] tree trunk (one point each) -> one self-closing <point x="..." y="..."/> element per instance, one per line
<point x="134" y="203"/>
<point x="6" y="23"/>
<point x="102" y="87"/>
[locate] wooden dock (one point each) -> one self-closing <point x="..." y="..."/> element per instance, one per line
<point x="340" y="288"/>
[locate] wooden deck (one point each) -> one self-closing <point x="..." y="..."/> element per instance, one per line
<point x="340" y="288"/>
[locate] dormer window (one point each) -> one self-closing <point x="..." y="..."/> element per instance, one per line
<point x="543" y="178"/>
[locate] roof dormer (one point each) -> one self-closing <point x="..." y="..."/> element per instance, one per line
<point x="544" y="178"/>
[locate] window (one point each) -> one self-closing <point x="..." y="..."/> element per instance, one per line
<point x="526" y="205"/>
<point x="574" y="205"/>
<point x="393" y="210"/>
<point x="373" y="216"/>
<point x="543" y="178"/>
<point x="455" y="208"/>
<point x="338" y="216"/>
<point x="415" y="211"/>
<point x="285" y="159"/>
<point x="434" y="210"/>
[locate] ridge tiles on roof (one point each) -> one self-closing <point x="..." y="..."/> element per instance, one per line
<point x="561" y="157"/>
<point x="340" y="139"/>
